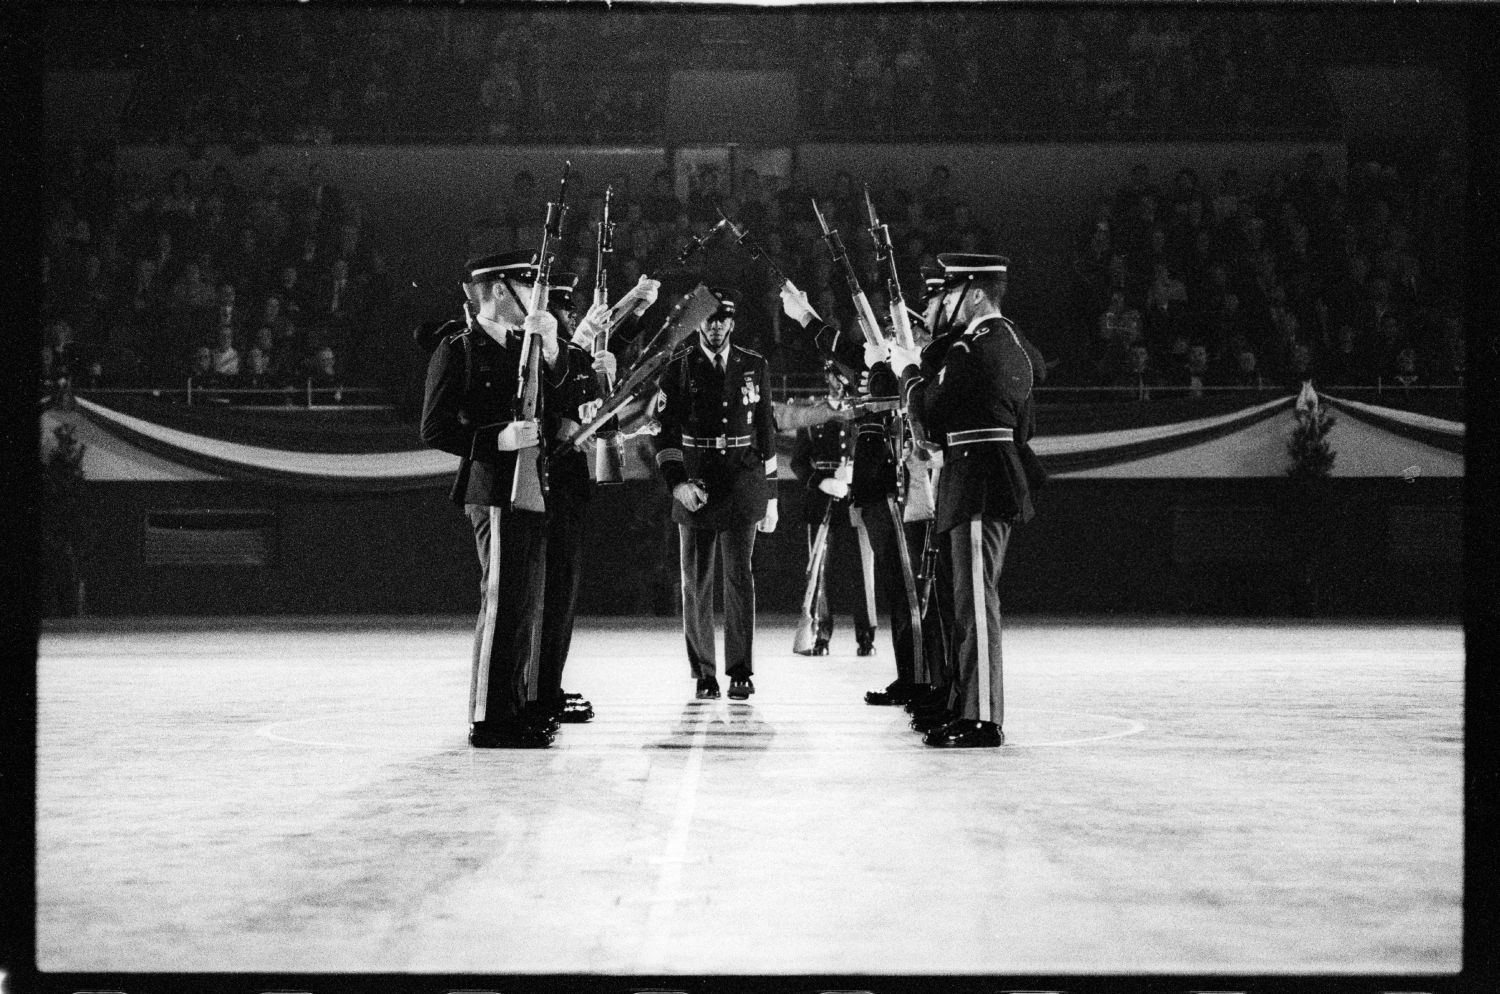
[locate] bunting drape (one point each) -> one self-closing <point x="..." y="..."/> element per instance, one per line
<point x="334" y="454"/>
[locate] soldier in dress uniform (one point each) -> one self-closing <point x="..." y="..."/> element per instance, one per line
<point x="469" y="409"/>
<point x="717" y="452"/>
<point x="570" y="490"/>
<point x="822" y="459"/>
<point x="979" y="407"/>
<point x="877" y="513"/>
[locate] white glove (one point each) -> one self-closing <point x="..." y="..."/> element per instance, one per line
<point x="605" y="363"/>
<point x="544" y="326"/>
<point x="518" y="435"/>
<point x="645" y="291"/>
<point x="768" y="523"/>
<point x="845" y="473"/>
<point x="794" y="302"/>
<point x="903" y="357"/>
<point x="690" y="495"/>
<point x="875" y="354"/>
<point x="589" y="328"/>
<point x="834" y="487"/>
<point x="567" y="428"/>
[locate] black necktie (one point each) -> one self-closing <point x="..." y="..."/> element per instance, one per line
<point x="719" y="363"/>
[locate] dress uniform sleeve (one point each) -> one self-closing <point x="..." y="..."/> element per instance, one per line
<point x="932" y="399"/>
<point x="667" y="443"/>
<point x="442" y="427"/>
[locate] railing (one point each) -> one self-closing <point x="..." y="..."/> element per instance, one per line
<point x="304" y="397"/>
<point x="786" y="386"/>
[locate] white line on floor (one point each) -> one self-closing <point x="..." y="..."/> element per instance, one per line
<point x="655" y="949"/>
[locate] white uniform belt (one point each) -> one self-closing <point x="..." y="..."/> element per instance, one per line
<point x="825" y="464"/>
<point x="720" y="442"/>
<point x="976" y="435"/>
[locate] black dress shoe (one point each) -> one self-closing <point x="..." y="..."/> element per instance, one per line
<point x="535" y="714"/>
<point x="935" y="699"/>
<point x="932" y="722"/>
<point x="866" y="649"/>
<point x="820" y="648"/>
<point x="740" y="688"/>
<point x="896" y="694"/>
<point x="966" y="733"/>
<point x="508" y="735"/>
<point x="573" y="710"/>
<point x="708" y="690"/>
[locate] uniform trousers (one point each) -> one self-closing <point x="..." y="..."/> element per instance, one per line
<point x="565" y="527"/>
<point x="507" y="639"/>
<point x="978" y="550"/>
<point x="880" y="522"/>
<point x="701" y="549"/>
<point x="840" y="538"/>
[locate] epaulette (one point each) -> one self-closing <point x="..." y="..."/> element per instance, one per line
<point x="682" y="352"/>
<point x="750" y="352"/>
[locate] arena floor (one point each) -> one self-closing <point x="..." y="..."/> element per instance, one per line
<point x="1195" y="796"/>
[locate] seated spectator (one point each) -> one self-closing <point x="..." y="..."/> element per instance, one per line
<point x="226" y="312"/>
<point x="191" y="293"/>
<point x="1166" y="298"/>
<point x="290" y="290"/>
<point x="1194" y="374"/>
<point x="1246" y="372"/>
<point x="332" y="300"/>
<point x="200" y="368"/>
<point x="1403" y="370"/>
<point x="225" y="357"/>
<point x="1120" y="323"/>
<point x="243" y="263"/>
<point x="323" y="375"/>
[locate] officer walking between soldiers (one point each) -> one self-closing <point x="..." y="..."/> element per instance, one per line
<point x="469" y="410"/>
<point x="717" y="452"/>
<point x="979" y="407"/>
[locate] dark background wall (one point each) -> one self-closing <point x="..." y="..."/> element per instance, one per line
<point x="1354" y="547"/>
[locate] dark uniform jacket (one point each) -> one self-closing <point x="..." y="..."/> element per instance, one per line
<point x="701" y="408"/>
<point x="471" y="396"/>
<point x="815" y="457"/>
<point x="983" y="380"/>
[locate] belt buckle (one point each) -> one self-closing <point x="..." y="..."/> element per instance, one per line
<point x="721" y="443"/>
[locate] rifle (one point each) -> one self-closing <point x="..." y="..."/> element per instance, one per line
<point x="885" y="255"/>
<point x="862" y="309"/>
<point x="609" y="448"/>
<point x="685" y="317"/>
<point x="529" y="485"/>
<point x="897" y="433"/>
<point x="908" y="433"/>
<point x="807" y="625"/>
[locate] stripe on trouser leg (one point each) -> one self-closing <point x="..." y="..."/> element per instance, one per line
<point x="479" y="691"/>
<point x="981" y="616"/>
